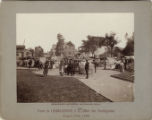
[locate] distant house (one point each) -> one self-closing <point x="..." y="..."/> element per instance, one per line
<point x="28" y="53"/>
<point x="69" y="49"/>
<point x="22" y="52"/>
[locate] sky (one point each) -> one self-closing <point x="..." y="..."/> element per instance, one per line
<point x="41" y="29"/>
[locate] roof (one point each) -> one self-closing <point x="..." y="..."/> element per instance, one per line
<point x="20" y="46"/>
<point x="70" y="43"/>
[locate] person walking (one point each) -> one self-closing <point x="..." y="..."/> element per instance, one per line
<point x="61" y="67"/>
<point x="30" y="63"/>
<point x="46" y="66"/>
<point x="95" y="65"/>
<point x="87" y="69"/>
<point x="105" y="63"/>
<point x="121" y="66"/>
<point x="69" y="68"/>
<point x="125" y="63"/>
<point x="72" y="67"/>
<point x="51" y="64"/>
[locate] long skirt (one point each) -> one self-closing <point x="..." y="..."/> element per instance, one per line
<point x="45" y="72"/>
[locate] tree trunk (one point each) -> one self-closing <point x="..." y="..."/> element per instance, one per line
<point x="111" y="51"/>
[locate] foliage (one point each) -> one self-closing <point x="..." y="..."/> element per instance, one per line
<point x="94" y="42"/>
<point x="89" y="45"/>
<point x="39" y="51"/>
<point x="60" y="45"/>
<point x="129" y="49"/>
<point x="110" y="41"/>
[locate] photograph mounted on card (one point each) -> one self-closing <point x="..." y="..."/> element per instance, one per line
<point x="75" y="60"/>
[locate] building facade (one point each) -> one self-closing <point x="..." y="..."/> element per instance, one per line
<point x="22" y="52"/>
<point x="69" y="49"/>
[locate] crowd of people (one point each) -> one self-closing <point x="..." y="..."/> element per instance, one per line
<point x="36" y="63"/>
<point x="75" y="66"/>
<point x="72" y="67"/>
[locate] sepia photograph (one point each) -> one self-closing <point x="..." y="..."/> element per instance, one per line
<point x="75" y="57"/>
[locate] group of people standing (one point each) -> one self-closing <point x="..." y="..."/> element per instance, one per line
<point x="67" y="67"/>
<point x="70" y="67"/>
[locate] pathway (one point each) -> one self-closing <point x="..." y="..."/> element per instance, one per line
<point x="112" y="88"/>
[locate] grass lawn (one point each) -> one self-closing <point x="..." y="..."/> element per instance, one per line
<point x="35" y="88"/>
<point x="127" y="76"/>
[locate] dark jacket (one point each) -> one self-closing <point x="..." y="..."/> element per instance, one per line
<point x="87" y="65"/>
<point x="46" y="65"/>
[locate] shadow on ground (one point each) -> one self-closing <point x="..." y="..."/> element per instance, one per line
<point x="36" y="88"/>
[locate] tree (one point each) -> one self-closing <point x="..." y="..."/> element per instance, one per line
<point x="110" y="41"/>
<point x="60" y="45"/>
<point x="89" y="45"/>
<point x="94" y="42"/>
<point x="117" y="51"/>
<point x="101" y="41"/>
<point x="129" y="49"/>
<point x="39" y="51"/>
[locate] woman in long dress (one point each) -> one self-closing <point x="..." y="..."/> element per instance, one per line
<point x="61" y="67"/>
<point x="46" y="66"/>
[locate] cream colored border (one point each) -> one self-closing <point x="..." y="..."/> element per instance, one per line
<point x="139" y="109"/>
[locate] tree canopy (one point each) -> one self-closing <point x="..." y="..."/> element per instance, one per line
<point x="60" y="45"/>
<point x="89" y="45"/>
<point x="129" y="49"/>
<point x="94" y="42"/>
<point x="110" y="41"/>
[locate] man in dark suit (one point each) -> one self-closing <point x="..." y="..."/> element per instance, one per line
<point x="87" y="69"/>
